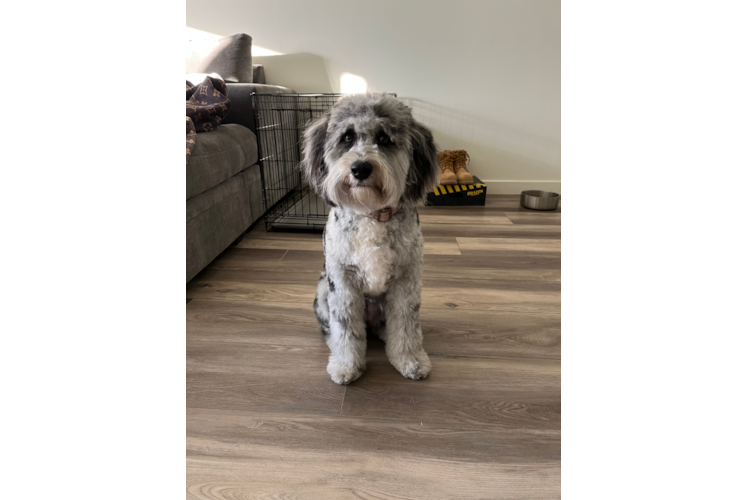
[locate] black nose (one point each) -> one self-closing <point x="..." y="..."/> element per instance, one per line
<point x="361" y="170"/>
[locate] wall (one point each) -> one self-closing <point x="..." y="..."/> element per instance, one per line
<point x="485" y="76"/>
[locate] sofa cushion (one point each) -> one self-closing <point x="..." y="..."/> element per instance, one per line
<point x="215" y="219"/>
<point x="258" y="73"/>
<point x="230" y="57"/>
<point x="219" y="155"/>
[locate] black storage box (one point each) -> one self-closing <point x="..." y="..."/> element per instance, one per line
<point x="458" y="194"/>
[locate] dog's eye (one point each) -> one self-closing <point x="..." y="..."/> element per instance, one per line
<point x="384" y="139"/>
<point x="348" y="137"/>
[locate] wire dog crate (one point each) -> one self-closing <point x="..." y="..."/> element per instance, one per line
<point x="281" y="119"/>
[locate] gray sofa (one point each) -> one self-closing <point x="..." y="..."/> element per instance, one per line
<point x="224" y="188"/>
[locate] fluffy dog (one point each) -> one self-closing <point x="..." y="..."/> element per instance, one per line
<point x="372" y="163"/>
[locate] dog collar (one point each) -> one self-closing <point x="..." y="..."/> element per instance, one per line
<point x="383" y="215"/>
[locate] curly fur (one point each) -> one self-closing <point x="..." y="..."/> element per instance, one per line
<point x="372" y="273"/>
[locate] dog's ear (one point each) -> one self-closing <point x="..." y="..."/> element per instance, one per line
<point x="313" y="163"/>
<point x="423" y="174"/>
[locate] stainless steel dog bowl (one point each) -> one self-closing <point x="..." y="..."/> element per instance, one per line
<point x="539" y="200"/>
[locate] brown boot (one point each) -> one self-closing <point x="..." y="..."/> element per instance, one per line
<point x="460" y="167"/>
<point x="446" y="162"/>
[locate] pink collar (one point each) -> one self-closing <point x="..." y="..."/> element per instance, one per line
<point x="383" y="215"/>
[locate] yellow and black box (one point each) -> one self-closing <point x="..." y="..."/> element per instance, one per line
<point x="452" y="195"/>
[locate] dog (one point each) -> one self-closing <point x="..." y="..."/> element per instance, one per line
<point x="372" y="163"/>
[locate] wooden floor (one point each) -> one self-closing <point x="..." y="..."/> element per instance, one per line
<point x="265" y="421"/>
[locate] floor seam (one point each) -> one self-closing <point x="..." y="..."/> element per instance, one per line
<point x="279" y="260"/>
<point x="294" y="346"/>
<point x="383" y="420"/>
<point x="345" y="390"/>
<point x="464" y="356"/>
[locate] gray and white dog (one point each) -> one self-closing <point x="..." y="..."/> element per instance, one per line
<point x="372" y="163"/>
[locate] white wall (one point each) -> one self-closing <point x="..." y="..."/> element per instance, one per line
<point x="484" y="75"/>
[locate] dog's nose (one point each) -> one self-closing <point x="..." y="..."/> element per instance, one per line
<point x="361" y="170"/>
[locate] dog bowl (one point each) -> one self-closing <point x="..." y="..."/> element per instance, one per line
<point x="539" y="200"/>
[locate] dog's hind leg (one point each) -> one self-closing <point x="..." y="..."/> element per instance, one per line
<point x="404" y="337"/>
<point x="321" y="309"/>
<point x="375" y="316"/>
<point x="377" y="326"/>
<point x="382" y="332"/>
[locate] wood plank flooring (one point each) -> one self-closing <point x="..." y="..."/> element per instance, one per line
<point x="265" y="421"/>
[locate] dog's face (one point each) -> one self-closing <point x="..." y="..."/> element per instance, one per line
<point x="368" y="153"/>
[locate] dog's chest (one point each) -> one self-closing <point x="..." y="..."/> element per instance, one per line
<point x="367" y="249"/>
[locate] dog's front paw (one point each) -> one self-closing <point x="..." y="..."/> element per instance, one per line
<point x="415" y="367"/>
<point x="343" y="374"/>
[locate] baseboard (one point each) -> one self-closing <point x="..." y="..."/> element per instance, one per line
<point x="516" y="187"/>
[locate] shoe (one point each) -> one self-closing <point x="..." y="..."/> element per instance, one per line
<point x="460" y="167"/>
<point x="446" y="162"/>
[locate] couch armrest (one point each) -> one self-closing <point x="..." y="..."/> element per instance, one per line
<point x="240" y="96"/>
